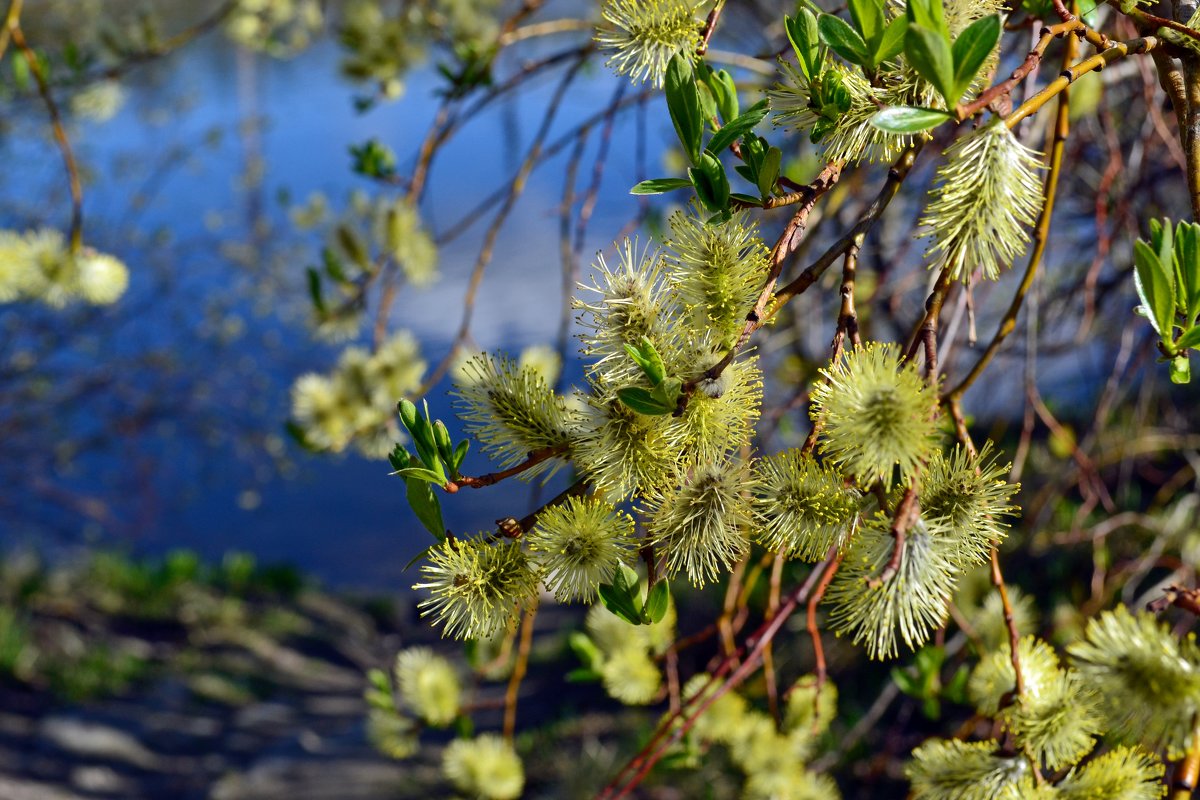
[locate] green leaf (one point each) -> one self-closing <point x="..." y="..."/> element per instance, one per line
<point x="929" y="15"/>
<point x="418" y="557"/>
<point x="714" y="171"/>
<point x="1155" y="287"/>
<point x="1181" y="371"/>
<point x="658" y="601"/>
<point x="627" y="577"/>
<point x="971" y="49"/>
<point x="441" y="438"/>
<point x="660" y="185"/>
<point x="421" y="474"/>
<point x="869" y="20"/>
<point x="314" y="290"/>
<point x="425" y="505"/>
<point x="929" y="54"/>
<point x="460" y="454"/>
<point x="725" y="90"/>
<point x="768" y="172"/>
<point x="906" y="682"/>
<point x="746" y="199"/>
<point x="1190" y="338"/>
<point x="585" y="649"/>
<point x="647" y="357"/>
<point x="891" y="44"/>
<point x="843" y="40"/>
<point x="908" y="119"/>
<point x="643" y="401"/>
<point x="1187" y="270"/>
<point x="668" y="392"/>
<point x="620" y="602"/>
<point x="738" y="127"/>
<point x="803" y="34"/>
<point x="683" y="101"/>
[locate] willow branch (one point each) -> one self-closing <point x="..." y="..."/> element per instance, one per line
<point x="518" y="674"/>
<point x="1041" y="236"/>
<point x="60" y="134"/>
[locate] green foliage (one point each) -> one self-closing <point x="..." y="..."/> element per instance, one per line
<point x="877" y="413"/>
<point x="1167" y="277"/>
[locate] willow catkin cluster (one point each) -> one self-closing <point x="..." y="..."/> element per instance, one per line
<point x="1148" y="681"/>
<point x="802" y="507"/>
<point x="721" y="413"/>
<point x="513" y="411"/>
<point x="908" y="606"/>
<point x="878" y="413"/>
<point x="717" y="272"/>
<point x="985" y="195"/>
<point x="702" y="524"/>
<point x="641" y="36"/>
<point x="275" y="27"/>
<point x="485" y="767"/>
<point x="429" y="686"/>
<point x="944" y="769"/>
<point x="354" y="403"/>
<point x="626" y="303"/>
<point x="579" y="544"/>
<point x="969" y="494"/>
<point x="38" y="266"/>
<point x="669" y="301"/>
<point x="476" y="587"/>
<point x="627" y="664"/>
<point x="1055" y="718"/>
<point x="852" y="138"/>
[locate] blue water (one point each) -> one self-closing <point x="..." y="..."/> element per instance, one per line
<point x="166" y="192"/>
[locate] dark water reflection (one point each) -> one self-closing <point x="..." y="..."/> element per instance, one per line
<point x="218" y="285"/>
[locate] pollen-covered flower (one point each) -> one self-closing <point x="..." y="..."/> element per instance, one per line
<point x="807" y="711"/>
<point x="485" y="767"/>
<point x="1128" y="773"/>
<point x="392" y="734"/>
<point x="802" y="507"/>
<point x="542" y="359"/>
<point x="720" y="414"/>
<point x="612" y="634"/>
<point x="102" y="278"/>
<point x="717" y="271"/>
<point x="429" y="686"/>
<point x="621" y="451"/>
<point x="791" y="782"/>
<point x="722" y="720"/>
<point x="701" y="525"/>
<point x="1055" y="717"/>
<point x="759" y="747"/>
<point x="277" y="27"/>
<point x="513" y="412"/>
<point x="949" y="769"/>
<point x="99" y="101"/>
<point x="402" y="235"/>
<point x="878" y="414"/>
<point x="318" y="409"/>
<point x="631" y="676"/>
<point x="632" y="304"/>
<point x="985" y="194"/>
<point x="1148" y="681"/>
<point x="852" y="137"/>
<point x="475" y="588"/>
<point x="971" y="497"/>
<point x="643" y="35"/>
<point x="909" y="605"/>
<point x="578" y="545"/>
<point x="395" y="370"/>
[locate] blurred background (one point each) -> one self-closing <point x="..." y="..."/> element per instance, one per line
<point x="191" y="596"/>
